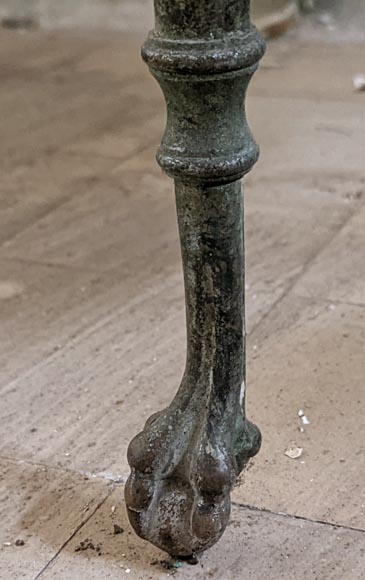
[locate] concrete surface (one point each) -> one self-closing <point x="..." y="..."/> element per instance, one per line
<point x="92" y="314"/>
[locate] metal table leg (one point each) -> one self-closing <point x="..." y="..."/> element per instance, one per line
<point x="186" y="460"/>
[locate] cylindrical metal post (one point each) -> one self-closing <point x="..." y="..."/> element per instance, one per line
<point x="186" y="460"/>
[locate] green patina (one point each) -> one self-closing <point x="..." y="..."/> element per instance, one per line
<point x="185" y="462"/>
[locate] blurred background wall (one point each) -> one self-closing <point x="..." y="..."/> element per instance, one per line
<point x="117" y="14"/>
<point x="114" y="14"/>
<point x="345" y="18"/>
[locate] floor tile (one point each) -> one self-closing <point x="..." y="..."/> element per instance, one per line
<point x="338" y="273"/>
<point x="31" y="190"/>
<point x="308" y="356"/>
<point x="286" y="72"/>
<point x="42" y="508"/>
<point x="260" y="545"/>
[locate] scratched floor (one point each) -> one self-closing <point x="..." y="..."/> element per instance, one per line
<point x="92" y="318"/>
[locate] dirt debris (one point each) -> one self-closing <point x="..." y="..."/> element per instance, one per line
<point x="88" y="545"/>
<point x="118" y="529"/>
<point x="171" y="566"/>
<point x="19" y="542"/>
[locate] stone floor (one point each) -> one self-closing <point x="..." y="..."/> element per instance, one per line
<point x="92" y="315"/>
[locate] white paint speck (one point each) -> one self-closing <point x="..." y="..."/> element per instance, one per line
<point x="303" y="417"/>
<point x="358" y="82"/>
<point x="294" y="452"/>
<point x="242" y="393"/>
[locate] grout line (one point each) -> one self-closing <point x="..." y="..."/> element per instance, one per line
<point x="86" y="155"/>
<point x="43" y="214"/>
<point x="117" y="480"/>
<point x="296" y="517"/>
<point x="320" y="299"/>
<point x="103" y="476"/>
<point x="291" y="285"/>
<point x="45" y="264"/>
<point x="258" y="93"/>
<point x="91" y="328"/>
<point x="70" y="538"/>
